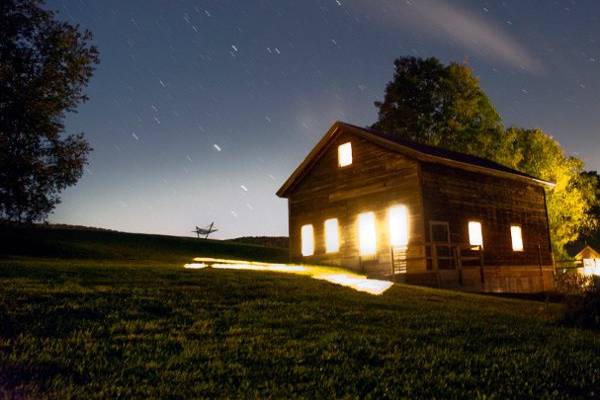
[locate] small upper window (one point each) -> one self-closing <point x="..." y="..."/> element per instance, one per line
<point x="345" y="154"/>
<point x="516" y="236"/>
<point x="475" y="236"/>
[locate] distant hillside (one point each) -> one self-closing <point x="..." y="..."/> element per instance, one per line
<point x="268" y="241"/>
<point x="58" y="241"/>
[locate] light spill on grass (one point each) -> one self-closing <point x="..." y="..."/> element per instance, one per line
<point x="72" y="329"/>
<point x="330" y="274"/>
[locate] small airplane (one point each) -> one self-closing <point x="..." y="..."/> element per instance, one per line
<point x="205" y="231"/>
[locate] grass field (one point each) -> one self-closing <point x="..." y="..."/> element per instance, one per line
<point x="144" y="327"/>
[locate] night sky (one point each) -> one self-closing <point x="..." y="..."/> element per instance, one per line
<point x="200" y="110"/>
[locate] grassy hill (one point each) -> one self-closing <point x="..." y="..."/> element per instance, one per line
<point x="88" y="243"/>
<point x="144" y="327"/>
<point x="270" y="241"/>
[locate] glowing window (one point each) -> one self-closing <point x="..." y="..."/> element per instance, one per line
<point x="475" y="236"/>
<point x="517" y="237"/>
<point x="345" y="154"/>
<point x="398" y="222"/>
<point x="308" y="240"/>
<point x="366" y="234"/>
<point x="332" y="236"/>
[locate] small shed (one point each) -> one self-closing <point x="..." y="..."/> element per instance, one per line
<point x="590" y="261"/>
<point x="392" y="208"/>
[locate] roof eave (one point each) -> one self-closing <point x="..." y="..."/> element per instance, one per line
<point x="335" y="128"/>
<point x="310" y="158"/>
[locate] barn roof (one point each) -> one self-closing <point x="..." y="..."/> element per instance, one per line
<point x="409" y="148"/>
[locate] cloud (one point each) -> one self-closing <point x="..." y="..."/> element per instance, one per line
<point x="440" y="20"/>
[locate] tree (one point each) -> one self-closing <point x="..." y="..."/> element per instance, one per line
<point x="444" y="106"/>
<point x="440" y="105"/>
<point x="571" y="202"/>
<point x="45" y="65"/>
<point x="590" y="232"/>
<point x="591" y="180"/>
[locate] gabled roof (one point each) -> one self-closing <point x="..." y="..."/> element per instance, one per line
<point x="411" y="149"/>
<point x="587" y="252"/>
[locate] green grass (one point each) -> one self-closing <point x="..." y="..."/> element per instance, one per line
<point x="139" y="328"/>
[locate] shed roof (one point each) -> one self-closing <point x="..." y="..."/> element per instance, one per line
<point x="587" y="252"/>
<point x="412" y="149"/>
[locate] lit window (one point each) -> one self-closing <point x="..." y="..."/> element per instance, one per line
<point x="332" y="238"/>
<point x="345" y="154"/>
<point x="398" y="221"/>
<point x="475" y="236"/>
<point x="308" y="240"/>
<point x="366" y="234"/>
<point x="517" y="237"/>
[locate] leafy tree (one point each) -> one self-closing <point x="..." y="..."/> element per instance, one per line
<point x="590" y="184"/>
<point x="45" y="64"/>
<point x="590" y="232"/>
<point x="432" y="103"/>
<point x="443" y="105"/>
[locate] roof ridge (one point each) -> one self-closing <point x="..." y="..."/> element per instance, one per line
<point x="423" y="152"/>
<point x="442" y="152"/>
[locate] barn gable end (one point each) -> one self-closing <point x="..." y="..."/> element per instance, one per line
<point x="376" y="180"/>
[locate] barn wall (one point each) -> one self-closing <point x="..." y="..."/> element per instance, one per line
<point x="376" y="180"/>
<point x="458" y="196"/>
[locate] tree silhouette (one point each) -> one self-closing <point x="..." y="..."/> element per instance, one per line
<point x="45" y="65"/>
<point x="441" y="105"/>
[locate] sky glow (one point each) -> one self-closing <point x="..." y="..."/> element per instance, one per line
<point x="199" y="110"/>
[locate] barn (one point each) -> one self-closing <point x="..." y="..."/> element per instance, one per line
<point x="392" y="208"/>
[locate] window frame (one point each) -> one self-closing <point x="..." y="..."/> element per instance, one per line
<point x="480" y="223"/>
<point x="365" y="241"/>
<point x="339" y="155"/>
<point x="403" y="235"/>
<point x="326" y="231"/>
<point x="303" y="241"/>
<point x="512" y="239"/>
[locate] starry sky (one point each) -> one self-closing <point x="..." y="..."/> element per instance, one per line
<point x="200" y="110"/>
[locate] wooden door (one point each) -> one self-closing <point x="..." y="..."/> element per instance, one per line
<point x="439" y="253"/>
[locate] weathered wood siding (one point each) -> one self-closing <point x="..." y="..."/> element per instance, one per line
<point x="458" y="196"/>
<point x="376" y="180"/>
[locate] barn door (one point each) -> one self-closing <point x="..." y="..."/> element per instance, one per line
<point x="440" y="250"/>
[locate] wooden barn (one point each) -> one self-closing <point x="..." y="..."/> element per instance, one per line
<point x="393" y="208"/>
